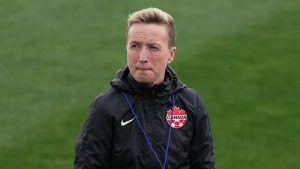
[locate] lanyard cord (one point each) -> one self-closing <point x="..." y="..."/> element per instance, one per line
<point x="145" y="134"/>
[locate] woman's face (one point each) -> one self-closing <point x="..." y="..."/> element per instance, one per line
<point x="148" y="52"/>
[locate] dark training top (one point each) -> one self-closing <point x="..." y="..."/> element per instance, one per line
<point x="118" y="136"/>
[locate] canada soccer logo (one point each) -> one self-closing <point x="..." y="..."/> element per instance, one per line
<point x="178" y="119"/>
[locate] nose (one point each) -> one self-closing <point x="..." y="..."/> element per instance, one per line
<point x="143" y="55"/>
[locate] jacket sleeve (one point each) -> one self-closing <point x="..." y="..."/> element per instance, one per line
<point x="92" y="150"/>
<point x="202" y="154"/>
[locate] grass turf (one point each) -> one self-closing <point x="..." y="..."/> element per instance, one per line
<point x="242" y="56"/>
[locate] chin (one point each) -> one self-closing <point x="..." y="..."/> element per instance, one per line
<point x="147" y="81"/>
<point x="143" y="78"/>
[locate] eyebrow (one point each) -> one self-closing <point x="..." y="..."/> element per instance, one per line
<point x="135" y="42"/>
<point x="153" y="43"/>
<point x="150" y="43"/>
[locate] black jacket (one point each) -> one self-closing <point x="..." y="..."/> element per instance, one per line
<point x="110" y="139"/>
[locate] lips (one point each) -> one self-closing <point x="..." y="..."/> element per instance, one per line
<point x="143" y="69"/>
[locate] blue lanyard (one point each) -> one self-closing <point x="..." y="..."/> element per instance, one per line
<point x="162" y="165"/>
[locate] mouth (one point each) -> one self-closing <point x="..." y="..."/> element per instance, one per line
<point x="143" y="69"/>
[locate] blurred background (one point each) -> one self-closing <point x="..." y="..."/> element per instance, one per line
<point x="241" y="56"/>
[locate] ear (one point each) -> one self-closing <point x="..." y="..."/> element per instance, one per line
<point x="172" y="52"/>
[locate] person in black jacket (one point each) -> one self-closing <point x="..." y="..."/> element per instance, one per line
<point x="148" y="119"/>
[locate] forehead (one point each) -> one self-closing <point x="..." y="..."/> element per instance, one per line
<point x="148" y="32"/>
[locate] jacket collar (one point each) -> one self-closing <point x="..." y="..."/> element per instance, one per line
<point x="126" y="82"/>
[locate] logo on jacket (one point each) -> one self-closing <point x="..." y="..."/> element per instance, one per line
<point x="179" y="117"/>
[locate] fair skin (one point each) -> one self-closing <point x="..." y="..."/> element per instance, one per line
<point x="148" y="52"/>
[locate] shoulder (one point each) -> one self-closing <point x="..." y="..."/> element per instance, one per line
<point x="190" y="94"/>
<point x="106" y="95"/>
<point x="192" y="98"/>
<point x="106" y="101"/>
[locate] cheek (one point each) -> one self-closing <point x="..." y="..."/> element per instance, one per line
<point x="131" y="56"/>
<point x="161" y="59"/>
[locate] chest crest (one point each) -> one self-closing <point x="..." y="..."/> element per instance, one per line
<point x="179" y="117"/>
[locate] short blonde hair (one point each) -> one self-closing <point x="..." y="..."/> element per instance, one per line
<point x="156" y="16"/>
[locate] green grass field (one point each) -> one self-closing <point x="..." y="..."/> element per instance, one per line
<point x="242" y="56"/>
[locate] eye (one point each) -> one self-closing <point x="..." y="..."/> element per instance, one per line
<point x="154" y="48"/>
<point x="133" y="46"/>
